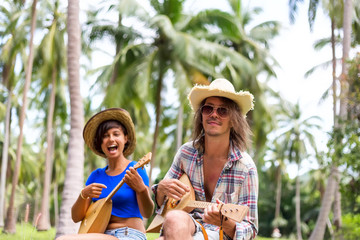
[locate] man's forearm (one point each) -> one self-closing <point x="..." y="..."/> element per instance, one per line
<point x="160" y="196"/>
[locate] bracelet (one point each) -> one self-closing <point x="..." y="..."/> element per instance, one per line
<point x="81" y="195"/>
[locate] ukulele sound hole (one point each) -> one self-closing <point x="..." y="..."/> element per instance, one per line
<point x="174" y="203"/>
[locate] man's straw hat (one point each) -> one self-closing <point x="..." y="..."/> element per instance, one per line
<point x="117" y="114"/>
<point x="221" y="88"/>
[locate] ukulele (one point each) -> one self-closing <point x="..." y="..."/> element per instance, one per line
<point x="187" y="203"/>
<point x="98" y="214"/>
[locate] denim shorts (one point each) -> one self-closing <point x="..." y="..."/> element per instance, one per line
<point x="126" y="233"/>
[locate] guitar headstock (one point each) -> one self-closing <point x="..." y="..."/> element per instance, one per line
<point x="143" y="161"/>
<point x="234" y="211"/>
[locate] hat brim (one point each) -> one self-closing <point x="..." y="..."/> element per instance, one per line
<point x="117" y="114"/>
<point x="243" y="99"/>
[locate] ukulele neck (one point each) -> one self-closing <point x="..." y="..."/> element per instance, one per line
<point x="198" y="204"/>
<point x="108" y="198"/>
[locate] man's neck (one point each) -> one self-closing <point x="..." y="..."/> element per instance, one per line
<point x="217" y="147"/>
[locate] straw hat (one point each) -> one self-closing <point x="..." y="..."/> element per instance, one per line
<point x="117" y="114"/>
<point x="221" y="88"/>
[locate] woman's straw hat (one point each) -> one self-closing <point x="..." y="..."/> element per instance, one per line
<point x="117" y="114"/>
<point x="221" y="88"/>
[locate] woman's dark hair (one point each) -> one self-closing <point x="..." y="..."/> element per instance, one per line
<point x="103" y="128"/>
<point x="240" y="131"/>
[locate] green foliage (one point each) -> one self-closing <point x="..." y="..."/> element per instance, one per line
<point x="351" y="226"/>
<point x="354" y="88"/>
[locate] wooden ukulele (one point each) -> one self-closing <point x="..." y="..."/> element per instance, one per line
<point x="188" y="203"/>
<point x="98" y="214"/>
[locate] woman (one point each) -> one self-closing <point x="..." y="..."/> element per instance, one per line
<point x="111" y="134"/>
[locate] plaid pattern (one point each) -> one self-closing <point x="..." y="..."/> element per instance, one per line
<point x="238" y="184"/>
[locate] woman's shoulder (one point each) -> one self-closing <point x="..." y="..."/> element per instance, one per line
<point x="96" y="174"/>
<point x="99" y="170"/>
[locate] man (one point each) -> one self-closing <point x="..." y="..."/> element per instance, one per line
<point x="217" y="166"/>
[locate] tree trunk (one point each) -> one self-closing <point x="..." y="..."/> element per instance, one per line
<point x="179" y="129"/>
<point x="44" y="221"/>
<point x="4" y="161"/>
<point x="337" y="204"/>
<point x="333" y="70"/>
<point x="56" y="204"/>
<point x="348" y="9"/>
<point x="75" y="162"/>
<point x="346" y="49"/>
<point x="297" y="207"/>
<point x="10" y="224"/>
<point x="320" y="226"/>
<point x="278" y="194"/>
<point x="115" y="72"/>
<point x="157" y="122"/>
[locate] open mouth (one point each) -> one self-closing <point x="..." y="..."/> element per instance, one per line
<point x="112" y="148"/>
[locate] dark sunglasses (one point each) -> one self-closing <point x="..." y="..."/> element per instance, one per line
<point x="220" y="111"/>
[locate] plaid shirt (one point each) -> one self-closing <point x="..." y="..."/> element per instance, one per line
<point x="237" y="184"/>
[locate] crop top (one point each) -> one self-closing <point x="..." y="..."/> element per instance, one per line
<point x="124" y="202"/>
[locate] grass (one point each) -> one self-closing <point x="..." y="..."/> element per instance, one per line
<point x="28" y="232"/>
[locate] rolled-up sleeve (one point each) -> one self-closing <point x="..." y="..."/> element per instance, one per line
<point x="248" y="228"/>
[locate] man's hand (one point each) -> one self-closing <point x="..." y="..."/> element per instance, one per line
<point x="172" y="188"/>
<point x="212" y="214"/>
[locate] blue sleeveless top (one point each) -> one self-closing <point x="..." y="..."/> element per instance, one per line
<point x="124" y="203"/>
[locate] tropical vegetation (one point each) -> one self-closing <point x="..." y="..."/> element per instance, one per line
<point x="155" y="52"/>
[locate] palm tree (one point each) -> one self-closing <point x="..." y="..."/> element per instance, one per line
<point x="319" y="229"/>
<point x="296" y="134"/>
<point x="50" y="62"/>
<point x="10" y="19"/>
<point x="10" y="224"/>
<point x="277" y="155"/>
<point x="171" y="53"/>
<point x="333" y="8"/>
<point x="4" y="160"/>
<point x="232" y="29"/>
<point x="75" y="163"/>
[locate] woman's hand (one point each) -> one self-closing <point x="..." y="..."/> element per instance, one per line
<point x="93" y="190"/>
<point x="134" y="180"/>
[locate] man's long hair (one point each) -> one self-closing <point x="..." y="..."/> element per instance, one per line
<point x="240" y="131"/>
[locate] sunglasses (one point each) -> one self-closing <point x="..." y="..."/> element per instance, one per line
<point x="220" y="111"/>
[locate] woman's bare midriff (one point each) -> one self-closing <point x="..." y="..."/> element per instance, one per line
<point x="117" y="222"/>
